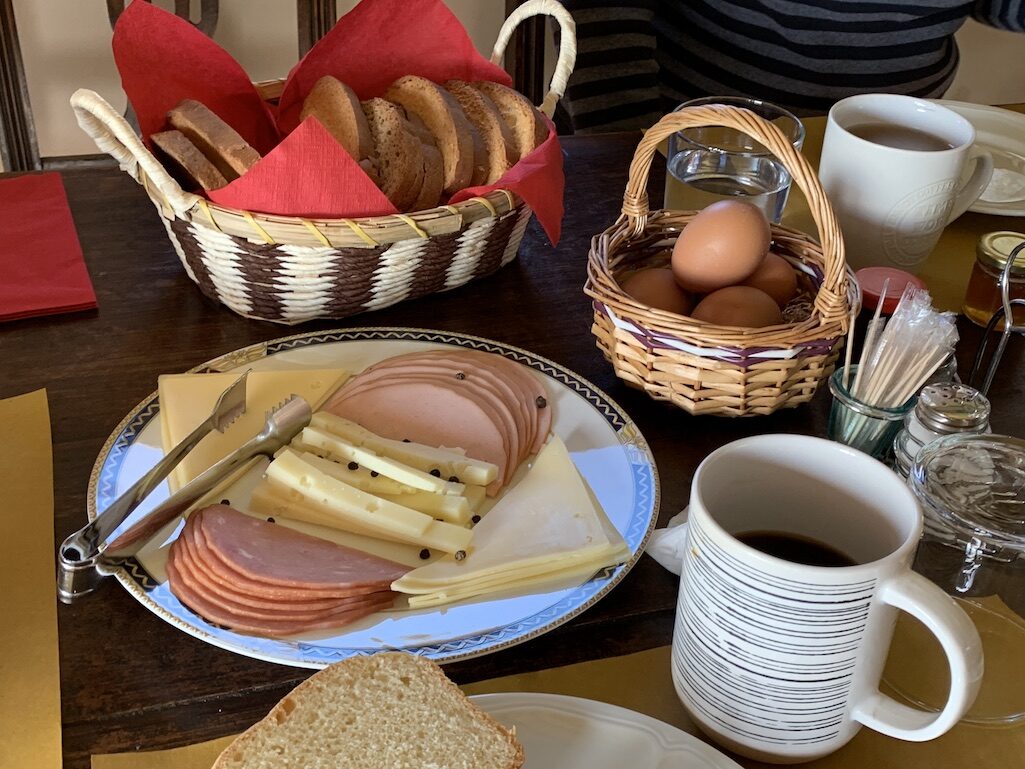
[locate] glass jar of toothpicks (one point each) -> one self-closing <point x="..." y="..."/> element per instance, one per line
<point x="899" y="356"/>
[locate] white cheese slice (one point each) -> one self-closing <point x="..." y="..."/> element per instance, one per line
<point x="187" y="399"/>
<point x="361" y="477"/>
<point x="546" y="520"/>
<point x="449" y="462"/>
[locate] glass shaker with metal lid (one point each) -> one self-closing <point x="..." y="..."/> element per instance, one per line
<point x="942" y="409"/>
<point x="972" y="492"/>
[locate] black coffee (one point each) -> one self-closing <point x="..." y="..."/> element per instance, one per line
<point x="795" y="548"/>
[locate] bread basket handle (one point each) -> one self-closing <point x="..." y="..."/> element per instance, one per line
<point x="567" y="45"/>
<point x="635" y="200"/>
<point x="115" y="136"/>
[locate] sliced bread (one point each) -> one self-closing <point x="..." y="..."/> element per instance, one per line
<point x="445" y="119"/>
<point x="386" y="711"/>
<point x="494" y="133"/>
<point x="434" y="179"/>
<point x="337" y="108"/>
<point x="218" y="141"/>
<point x="398" y="153"/>
<point x="526" y="125"/>
<point x="186" y="163"/>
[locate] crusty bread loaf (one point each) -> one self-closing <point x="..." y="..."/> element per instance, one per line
<point x="185" y="162"/>
<point x="398" y="153"/>
<point x="217" y="140"/>
<point x="496" y="139"/>
<point x="526" y="126"/>
<point x="337" y="108"/>
<point x="444" y="118"/>
<point x="387" y="711"/>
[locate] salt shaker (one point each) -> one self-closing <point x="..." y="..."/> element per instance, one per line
<point x="942" y="409"/>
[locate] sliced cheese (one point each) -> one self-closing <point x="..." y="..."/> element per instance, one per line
<point x="548" y="521"/>
<point x="293" y="471"/>
<point x="449" y="462"/>
<point x="361" y="477"/>
<point x="187" y="399"/>
<point x="475" y="496"/>
<point x="341" y="450"/>
<point x="272" y="498"/>
<point x="447" y="507"/>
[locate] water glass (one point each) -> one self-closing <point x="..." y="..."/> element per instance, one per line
<point x="853" y="422"/>
<point x="713" y="163"/>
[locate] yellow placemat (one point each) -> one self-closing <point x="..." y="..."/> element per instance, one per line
<point x="30" y="725"/>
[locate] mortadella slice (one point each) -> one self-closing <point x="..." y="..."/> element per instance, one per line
<point x="267" y="552"/>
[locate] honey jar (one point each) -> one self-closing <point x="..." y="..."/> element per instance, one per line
<point x="982" y="297"/>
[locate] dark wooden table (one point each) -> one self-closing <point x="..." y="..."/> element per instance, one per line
<point x="131" y="681"/>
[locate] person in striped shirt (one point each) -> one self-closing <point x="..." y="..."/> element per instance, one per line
<point x="638" y="60"/>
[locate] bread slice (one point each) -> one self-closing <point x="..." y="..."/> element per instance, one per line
<point x="434" y="179"/>
<point x="337" y="108"/>
<point x="217" y="140"/>
<point x="525" y="124"/>
<point x="444" y="118"/>
<point x="386" y="711"/>
<point x="495" y="135"/>
<point x="397" y="153"/>
<point x="186" y="163"/>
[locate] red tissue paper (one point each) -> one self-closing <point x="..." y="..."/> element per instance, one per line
<point x="305" y="172"/>
<point x="41" y="267"/>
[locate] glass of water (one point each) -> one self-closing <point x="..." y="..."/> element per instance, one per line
<point x="714" y="163"/>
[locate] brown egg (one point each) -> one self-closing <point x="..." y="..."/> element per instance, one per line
<point x="656" y="287"/>
<point x="722" y="246"/>
<point x="776" y="278"/>
<point x="739" y="306"/>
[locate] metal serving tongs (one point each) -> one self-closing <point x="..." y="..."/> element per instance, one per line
<point x="86" y="557"/>
<point x="1005" y="313"/>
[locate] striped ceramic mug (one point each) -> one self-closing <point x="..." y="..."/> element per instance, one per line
<point x="780" y="660"/>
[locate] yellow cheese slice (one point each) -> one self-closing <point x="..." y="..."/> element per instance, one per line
<point x="274" y="499"/>
<point x="187" y="399"/>
<point x="546" y="520"/>
<point x="449" y="462"/>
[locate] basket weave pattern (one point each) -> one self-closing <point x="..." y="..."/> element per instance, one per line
<point x="289" y="269"/>
<point x="700" y="367"/>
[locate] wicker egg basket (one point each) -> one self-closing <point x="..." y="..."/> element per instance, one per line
<point x="288" y="269"/>
<point x="701" y="367"/>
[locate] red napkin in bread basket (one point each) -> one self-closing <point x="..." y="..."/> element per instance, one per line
<point x="41" y="266"/>
<point x="163" y="59"/>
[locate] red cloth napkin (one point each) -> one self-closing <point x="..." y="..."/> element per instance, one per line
<point x="41" y="267"/>
<point x="163" y="59"/>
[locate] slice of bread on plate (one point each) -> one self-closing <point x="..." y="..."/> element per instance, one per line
<point x="386" y="711"/>
<point x="218" y="141"/>
<point x="443" y="117"/>
<point x="398" y="153"/>
<point x="337" y="108"/>
<point x="496" y="139"/>
<point x="525" y="124"/>
<point x="185" y="162"/>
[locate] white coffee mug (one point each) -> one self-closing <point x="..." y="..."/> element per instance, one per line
<point x="778" y="660"/>
<point x="892" y="168"/>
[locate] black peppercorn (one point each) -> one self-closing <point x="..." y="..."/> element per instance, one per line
<point x="406" y="440"/>
<point x="374" y="473"/>
<point x="460" y="555"/>
<point x="540" y="402"/>
<point x="436" y="472"/>
<point x="475" y="519"/>
<point x="270" y="520"/>
<point x="425" y="554"/>
<point x="226" y="502"/>
<point x="353" y="466"/>
<point x="460" y="375"/>
<point x="453" y="479"/>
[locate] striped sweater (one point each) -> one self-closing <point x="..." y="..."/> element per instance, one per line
<point x="638" y="60"/>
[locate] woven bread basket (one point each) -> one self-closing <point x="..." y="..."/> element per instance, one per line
<point x="700" y="367"/>
<point x="288" y="269"/>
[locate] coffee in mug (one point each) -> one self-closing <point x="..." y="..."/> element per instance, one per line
<point x="798" y="557"/>
<point x="892" y="169"/>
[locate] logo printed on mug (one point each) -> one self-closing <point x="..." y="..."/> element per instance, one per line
<point x="908" y="230"/>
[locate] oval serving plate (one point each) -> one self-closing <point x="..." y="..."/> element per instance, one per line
<point x="606" y="447"/>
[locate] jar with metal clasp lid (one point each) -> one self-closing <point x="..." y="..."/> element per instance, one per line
<point x="942" y="409"/>
<point x="982" y="297"/>
<point x="972" y="492"/>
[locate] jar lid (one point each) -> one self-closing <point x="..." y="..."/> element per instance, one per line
<point x="952" y="407"/>
<point x="976" y="485"/>
<point x="994" y="249"/>
<point x="872" y="279"/>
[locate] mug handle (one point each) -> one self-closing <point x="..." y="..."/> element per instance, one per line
<point x="913" y="593"/>
<point x="975" y="185"/>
